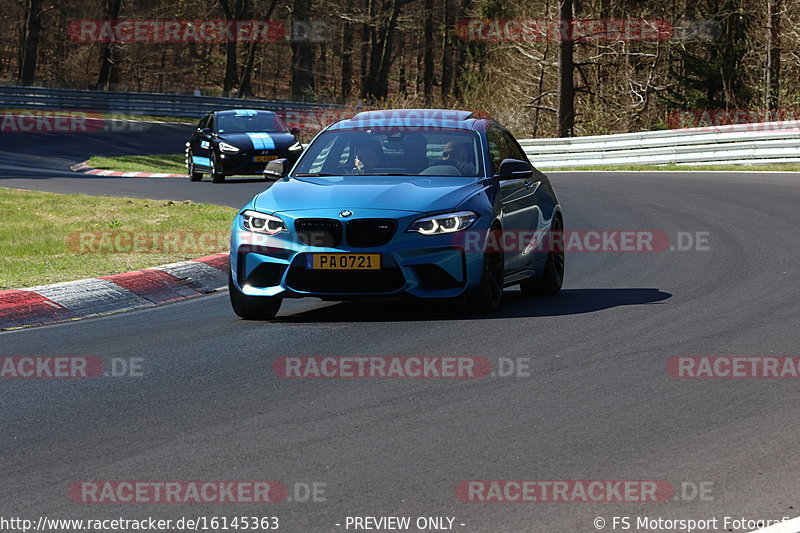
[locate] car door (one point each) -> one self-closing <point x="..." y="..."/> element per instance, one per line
<point x="201" y="142"/>
<point x="537" y="205"/>
<point x="516" y="202"/>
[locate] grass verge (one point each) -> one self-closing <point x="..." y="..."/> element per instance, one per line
<point x="169" y="163"/>
<point x="47" y="237"/>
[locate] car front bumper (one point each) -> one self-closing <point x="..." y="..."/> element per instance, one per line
<point x="435" y="266"/>
<point x="243" y="163"/>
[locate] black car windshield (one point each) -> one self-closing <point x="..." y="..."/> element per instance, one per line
<point x="391" y="152"/>
<point x="247" y="122"/>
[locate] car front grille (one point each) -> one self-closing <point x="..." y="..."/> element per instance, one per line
<point x="359" y="233"/>
<point x="369" y="232"/>
<point x="321" y="232"/>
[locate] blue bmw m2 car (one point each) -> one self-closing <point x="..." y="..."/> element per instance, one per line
<point x="424" y="203"/>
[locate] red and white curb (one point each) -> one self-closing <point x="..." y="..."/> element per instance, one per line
<point x="84" y="298"/>
<point x="86" y="169"/>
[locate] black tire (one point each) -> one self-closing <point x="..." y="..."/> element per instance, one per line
<point x="215" y="177"/>
<point x="549" y="283"/>
<point x="193" y="174"/>
<point x="252" y="307"/>
<point x="488" y="297"/>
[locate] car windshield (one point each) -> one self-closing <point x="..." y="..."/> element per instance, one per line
<point x="389" y="152"/>
<point x="249" y="122"/>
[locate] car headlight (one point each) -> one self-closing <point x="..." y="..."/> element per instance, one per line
<point x="229" y="148"/>
<point x="262" y="223"/>
<point x="447" y="223"/>
<point x="295" y="147"/>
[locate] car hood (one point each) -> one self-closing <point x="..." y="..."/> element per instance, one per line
<point x="259" y="140"/>
<point x="418" y="195"/>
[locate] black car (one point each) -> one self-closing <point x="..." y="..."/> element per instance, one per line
<point x="239" y="142"/>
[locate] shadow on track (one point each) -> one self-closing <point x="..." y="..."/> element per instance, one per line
<point x="235" y="180"/>
<point x="515" y="305"/>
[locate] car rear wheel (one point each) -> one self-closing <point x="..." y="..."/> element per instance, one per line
<point x="549" y="283"/>
<point x="488" y="297"/>
<point x="252" y="307"/>
<point x="194" y="175"/>
<point x="216" y="177"/>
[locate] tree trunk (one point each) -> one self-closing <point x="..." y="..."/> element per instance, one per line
<point x="30" y="43"/>
<point x="402" y="80"/>
<point x="109" y="55"/>
<point x="245" y="86"/>
<point x="566" y="81"/>
<point x="774" y="55"/>
<point x="386" y="42"/>
<point x="302" y="54"/>
<point x="365" y="49"/>
<point x="427" y="59"/>
<point x="229" y="82"/>
<point x="347" y="59"/>
<point x="447" y="50"/>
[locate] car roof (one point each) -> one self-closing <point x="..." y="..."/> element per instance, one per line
<point x="413" y="118"/>
<point x="243" y="112"/>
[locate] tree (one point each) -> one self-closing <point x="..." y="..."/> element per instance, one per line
<point x="773" y="55"/>
<point x="245" y="85"/>
<point x="566" y="66"/>
<point x="302" y="54"/>
<point x="109" y="54"/>
<point x="30" y="42"/>
<point x="235" y="13"/>
<point x="427" y="54"/>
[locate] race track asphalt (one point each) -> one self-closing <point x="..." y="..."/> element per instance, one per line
<point x="598" y="403"/>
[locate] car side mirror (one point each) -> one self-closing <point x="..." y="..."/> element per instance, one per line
<point x="276" y="169"/>
<point x="294" y="130"/>
<point x="514" y="169"/>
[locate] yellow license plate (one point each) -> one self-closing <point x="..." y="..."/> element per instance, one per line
<point x="343" y="261"/>
<point x="264" y="158"/>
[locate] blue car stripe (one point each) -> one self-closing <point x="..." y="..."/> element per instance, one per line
<point x="261" y="141"/>
<point x="202" y="161"/>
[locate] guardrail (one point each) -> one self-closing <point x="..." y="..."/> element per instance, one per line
<point x="770" y="142"/>
<point x="132" y="103"/>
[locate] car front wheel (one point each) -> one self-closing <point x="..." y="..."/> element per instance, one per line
<point x="216" y="177"/>
<point x="488" y="297"/>
<point x="252" y="307"/>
